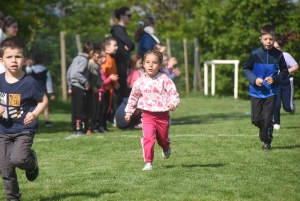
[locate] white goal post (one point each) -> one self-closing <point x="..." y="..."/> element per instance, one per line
<point x="213" y="75"/>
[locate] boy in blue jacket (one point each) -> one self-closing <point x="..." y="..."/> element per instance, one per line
<point x="264" y="69"/>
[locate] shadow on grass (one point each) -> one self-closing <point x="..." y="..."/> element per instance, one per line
<point x="208" y="118"/>
<point x="287" y="147"/>
<point x="291" y="127"/>
<point x="70" y="195"/>
<point x="216" y="165"/>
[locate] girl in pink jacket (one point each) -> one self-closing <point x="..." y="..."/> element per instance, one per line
<point x="154" y="93"/>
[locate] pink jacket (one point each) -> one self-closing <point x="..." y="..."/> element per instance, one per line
<point x="106" y="81"/>
<point x="133" y="76"/>
<point x="152" y="94"/>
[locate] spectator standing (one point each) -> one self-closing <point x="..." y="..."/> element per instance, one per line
<point x="144" y="35"/>
<point x="125" y="46"/>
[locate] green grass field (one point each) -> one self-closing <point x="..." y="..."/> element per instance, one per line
<point x="216" y="155"/>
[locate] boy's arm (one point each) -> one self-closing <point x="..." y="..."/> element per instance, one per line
<point x="31" y="116"/>
<point x="247" y="69"/>
<point x="81" y="66"/>
<point x="69" y="83"/>
<point x="49" y="84"/>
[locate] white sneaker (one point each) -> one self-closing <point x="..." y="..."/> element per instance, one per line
<point x="276" y="126"/>
<point x="148" y="166"/>
<point x="166" y="154"/>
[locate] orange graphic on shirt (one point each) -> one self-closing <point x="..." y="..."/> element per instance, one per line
<point x="14" y="99"/>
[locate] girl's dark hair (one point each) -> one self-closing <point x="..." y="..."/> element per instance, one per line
<point x="1" y="20"/>
<point x="288" y="36"/>
<point x="88" y="46"/>
<point x="148" y="21"/>
<point x="8" y="21"/>
<point x="39" y="58"/>
<point x="116" y="15"/>
<point x="132" y="61"/>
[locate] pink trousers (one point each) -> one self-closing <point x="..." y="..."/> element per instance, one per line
<point x="155" y="127"/>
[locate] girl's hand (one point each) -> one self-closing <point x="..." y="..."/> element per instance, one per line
<point x="176" y="71"/>
<point x="171" y="107"/>
<point x="126" y="48"/>
<point x="30" y="118"/>
<point x="127" y="117"/>
<point x="172" y="62"/>
<point x="69" y="91"/>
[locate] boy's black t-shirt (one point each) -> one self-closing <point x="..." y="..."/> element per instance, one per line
<point x="19" y="98"/>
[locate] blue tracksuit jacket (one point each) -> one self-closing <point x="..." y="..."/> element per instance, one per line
<point x="264" y="63"/>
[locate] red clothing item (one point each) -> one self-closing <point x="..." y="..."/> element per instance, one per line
<point x="155" y="126"/>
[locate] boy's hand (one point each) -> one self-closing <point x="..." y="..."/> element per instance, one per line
<point x="52" y="96"/>
<point x="2" y="109"/>
<point x="172" y="62"/>
<point x="30" y="118"/>
<point x="269" y="80"/>
<point x="259" y="81"/>
<point x="95" y="90"/>
<point x="69" y="91"/>
<point x="87" y="86"/>
<point x="114" y="77"/>
<point x="127" y="117"/>
<point x="29" y="62"/>
<point x="171" y="107"/>
<point x="126" y="48"/>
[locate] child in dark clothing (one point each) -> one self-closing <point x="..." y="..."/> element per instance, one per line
<point x="77" y="77"/>
<point x="22" y="100"/>
<point x="92" y="94"/>
<point x="261" y="69"/>
<point x="40" y="73"/>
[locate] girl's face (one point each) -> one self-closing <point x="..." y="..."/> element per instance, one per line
<point x="277" y="46"/>
<point x="101" y="58"/>
<point x="165" y="61"/>
<point x="151" y="64"/>
<point x="139" y="64"/>
<point x="12" y="30"/>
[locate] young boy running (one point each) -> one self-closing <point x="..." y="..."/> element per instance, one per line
<point x="261" y="69"/>
<point x="21" y="101"/>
